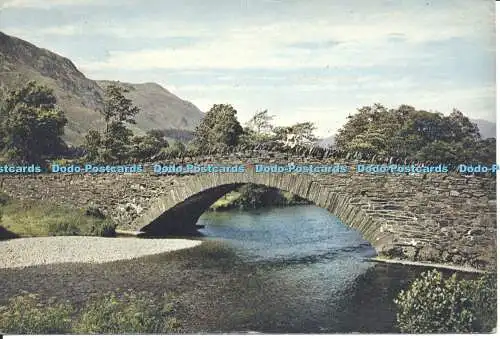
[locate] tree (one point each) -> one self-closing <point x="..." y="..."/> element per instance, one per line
<point x="113" y="145"/>
<point x="219" y="128"/>
<point x="176" y="149"/>
<point x="261" y="122"/>
<point x="300" y="133"/>
<point x="159" y="135"/>
<point x="31" y="124"/>
<point x="148" y="146"/>
<point x="485" y="151"/>
<point x="92" y="145"/>
<point x="433" y="304"/>
<point x="407" y="132"/>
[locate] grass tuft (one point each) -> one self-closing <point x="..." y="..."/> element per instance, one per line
<point x="41" y="218"/>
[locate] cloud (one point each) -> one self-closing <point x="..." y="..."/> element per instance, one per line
<point x="242" y="50"/>
<point x="381" y="39"/>
<point x="47" y="3"/>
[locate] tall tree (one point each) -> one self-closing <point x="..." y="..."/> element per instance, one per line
<point x="31" y="124"/>
<point x="116" y="139"/>
<point x="218" y="128"/>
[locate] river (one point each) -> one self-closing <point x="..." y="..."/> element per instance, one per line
<point x="336" y="288"/>
<point x="281" y="270"/>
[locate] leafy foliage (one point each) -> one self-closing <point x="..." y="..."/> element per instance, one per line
<point x="176" y="149"/>
<point x="302" y="133"/>
<point x="146" y="147"/>
<point x="433" y="304"/>
<point x="31" y="125"/>
<point x="254" y="196"/>
<point x="219" y="128"/>
<point x="261" y="122"/>
<point x="93" y="142"/>
<point x="113" y="145"/>
<point x="421" y="135"/>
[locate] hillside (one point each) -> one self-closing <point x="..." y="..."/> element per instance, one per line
<point x="81" y="98"/>
<point x="487" y="128"/>
<point x="160" y="109"/>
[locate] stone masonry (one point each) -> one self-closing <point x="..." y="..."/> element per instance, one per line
<point x="438" y="218"/>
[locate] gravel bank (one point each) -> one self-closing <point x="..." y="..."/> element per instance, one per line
<point x="26" y="252"/>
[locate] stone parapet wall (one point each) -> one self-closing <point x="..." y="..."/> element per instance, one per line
<point x="439" y="218"/>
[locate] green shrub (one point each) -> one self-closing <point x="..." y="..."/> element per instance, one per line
<point x="127" y="313"/>
<point x="436" y="305"/>
<point x="484" y="299"/>
<point x="103" y="228"/>
<point x="63" y="228"/>
<point x="25" y="314"/>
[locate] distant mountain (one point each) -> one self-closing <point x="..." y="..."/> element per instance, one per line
<point x="327" y="142"/>
<point x="487" y="128"/>
<point x="160" y="109"/>
<point x="82" y="98"/>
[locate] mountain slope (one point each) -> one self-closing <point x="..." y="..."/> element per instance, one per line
<point x="79" y="97"/>
<point x="82" y="98"/>
<point x="159" y="108"/>
<point x="487" y="128"/>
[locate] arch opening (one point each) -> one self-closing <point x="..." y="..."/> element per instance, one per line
<point x="186" y="208"/>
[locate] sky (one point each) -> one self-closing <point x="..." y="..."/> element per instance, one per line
<point x="302" y="60"/>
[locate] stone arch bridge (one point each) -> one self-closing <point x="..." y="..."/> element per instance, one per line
<point x="437" y="218"/>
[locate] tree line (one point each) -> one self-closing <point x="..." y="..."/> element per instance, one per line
<point x="32" y="127"/>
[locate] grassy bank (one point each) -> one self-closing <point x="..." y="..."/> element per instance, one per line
<point x="115" y="312"/>
<point x="41" y="218"/>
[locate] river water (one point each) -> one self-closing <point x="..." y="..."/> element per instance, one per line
<point x="329" y="283"/>
<point x="281" y="270"/>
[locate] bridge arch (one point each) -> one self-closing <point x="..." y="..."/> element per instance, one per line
<point x="439" y="218"/>
<point x="179" y="209"/>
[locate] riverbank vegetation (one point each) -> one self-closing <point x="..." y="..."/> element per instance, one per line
<point x="251" y="196"/>
<point x="434" y="304"/>
<point x="41" y="218"/>
<point x="116" y="312"/>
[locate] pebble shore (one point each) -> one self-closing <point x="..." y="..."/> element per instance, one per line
<point x="27" y="252"/>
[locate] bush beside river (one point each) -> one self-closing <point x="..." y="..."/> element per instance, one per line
<point x="251" y="196"/>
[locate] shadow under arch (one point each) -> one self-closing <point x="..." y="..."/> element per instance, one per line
<point x="181" y="219"/>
